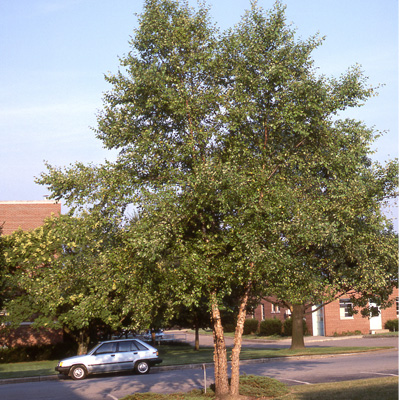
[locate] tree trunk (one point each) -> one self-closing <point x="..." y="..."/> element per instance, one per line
<point x="297" y="327"/>
<point x="197" y="338"/>
<point x="82" y="338"/>
<point x="235" y="358"/>
<point x="220" y="359"/>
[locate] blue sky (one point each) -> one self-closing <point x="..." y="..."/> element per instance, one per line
<point x="54" y="54"/>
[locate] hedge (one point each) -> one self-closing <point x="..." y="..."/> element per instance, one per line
<point x="288" y="324"/>
<point x="270" y="326"/>
<point x="37" y="353"/>
<point x="392" y="325"/>
<point x="250" y="326"/>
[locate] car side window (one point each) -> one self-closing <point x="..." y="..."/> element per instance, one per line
<point x="124" y="346"/>
<point x="107" y="348"/>
<point x="140" y="346"/>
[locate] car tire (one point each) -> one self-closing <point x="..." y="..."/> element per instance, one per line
<point x="78" y="372"/>
<point x="142" y="367"/>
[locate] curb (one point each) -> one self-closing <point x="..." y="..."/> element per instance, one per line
<point x="29" y="379"/>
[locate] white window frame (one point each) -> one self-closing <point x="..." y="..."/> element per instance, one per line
<point x="275" y="309"/>
<point x="345" y="305"/>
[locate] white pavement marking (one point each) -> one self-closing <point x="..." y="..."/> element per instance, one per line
<point x="378" y="373"/>
<point x="113" y="397"/>
<point x="292" y="380"/>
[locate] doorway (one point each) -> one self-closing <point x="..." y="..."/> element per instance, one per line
<point x="318" y="321"/>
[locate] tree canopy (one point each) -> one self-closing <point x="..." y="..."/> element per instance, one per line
<point x="244" y="177"/>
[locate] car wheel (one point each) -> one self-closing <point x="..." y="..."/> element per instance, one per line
<point x="78" y="372"/>
<point x="142" y="367"/>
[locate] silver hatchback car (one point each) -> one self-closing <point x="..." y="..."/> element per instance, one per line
<point x="111" y="356"/>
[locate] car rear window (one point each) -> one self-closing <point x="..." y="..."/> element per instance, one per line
<point x="140" y="346"/>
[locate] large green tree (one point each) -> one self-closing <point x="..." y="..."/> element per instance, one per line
<point x="232" y="151"/>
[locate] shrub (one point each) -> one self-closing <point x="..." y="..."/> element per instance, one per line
<point x="288" y="324"/>
<point x="392" y="325"/>
<point x="250" y="326"/>
<point x="229" y="327"/>
<point x="347" y="333"/>
<point x="270" y="326"/>
<point x="37" y="353"/>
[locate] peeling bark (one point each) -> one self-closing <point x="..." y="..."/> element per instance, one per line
<point x="220" y="358"/>
<point x="235" y="358"/>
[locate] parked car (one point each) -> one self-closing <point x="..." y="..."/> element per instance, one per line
<point x="159" y="334"/>
<point x="111" y="356"/>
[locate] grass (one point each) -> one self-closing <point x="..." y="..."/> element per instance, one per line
<point x="267" y="388"/>
<point x="255" y="336"/>
<point x="252" y="336"/>
<point x="181" y="355"/>
<point x="367" y="389"/>
<point x="27" y="369"/>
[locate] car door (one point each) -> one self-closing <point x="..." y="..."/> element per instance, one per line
<point x="126" y="355"/>
<point x="104" y="358"/>
<point x="142" y="351"/>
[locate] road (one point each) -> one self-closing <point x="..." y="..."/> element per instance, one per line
<point x="289" y="371"/>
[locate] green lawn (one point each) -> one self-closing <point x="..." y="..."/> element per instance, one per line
<point x="177" y="355"/>
<point x="367" y="389"/>
<point x="25" y="369"/>
<point x="181" y="355"/>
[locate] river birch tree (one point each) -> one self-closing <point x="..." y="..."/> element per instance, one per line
<point x="229" y="148"/>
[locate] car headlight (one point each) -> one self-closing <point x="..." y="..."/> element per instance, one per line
<point x="60" y="364"/>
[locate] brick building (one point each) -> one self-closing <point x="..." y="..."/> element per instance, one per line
<point x="27" y="215"/>
<point x="333" y="318"/>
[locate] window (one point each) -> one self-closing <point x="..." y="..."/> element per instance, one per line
<point x="275" y="309"/>
<point x="397" y="307"/>
<point x="262" y="312"/>
<point x="140" y="346"/>
<point x="124" y="346"/>
<point x="107" y="348"/>
<point x="346" y="308"/>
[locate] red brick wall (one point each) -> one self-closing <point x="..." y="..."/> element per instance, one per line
<point x="391" y="312"/>
<point x="26" y="336"/>
<point x="268" y="313"/>
<point x="26" y="215"/>
<point x="282" y="315"/>
<point x="333" y="323"/>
